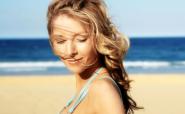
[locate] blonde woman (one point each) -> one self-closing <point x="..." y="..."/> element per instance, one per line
<point x="86" y="41"/>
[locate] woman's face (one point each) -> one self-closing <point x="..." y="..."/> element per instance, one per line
<point x="72" y="44"/>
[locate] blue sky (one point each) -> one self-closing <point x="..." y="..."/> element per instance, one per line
<point x="27" y="18"/>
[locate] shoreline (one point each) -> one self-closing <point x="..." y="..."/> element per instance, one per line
<point x="70" y="74"/>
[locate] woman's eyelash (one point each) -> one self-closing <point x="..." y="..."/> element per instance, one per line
<point x="60" y="41"/>
<point x="82" y="40"/>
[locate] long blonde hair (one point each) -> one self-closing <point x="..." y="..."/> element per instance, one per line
<point x="109" y="42"/>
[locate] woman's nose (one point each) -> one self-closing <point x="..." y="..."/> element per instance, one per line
<point x="71" y="50"/>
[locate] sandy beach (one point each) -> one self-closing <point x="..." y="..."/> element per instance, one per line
<point x="157" y="93"/>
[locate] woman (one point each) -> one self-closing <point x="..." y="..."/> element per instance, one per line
<point x="83" y="37"/>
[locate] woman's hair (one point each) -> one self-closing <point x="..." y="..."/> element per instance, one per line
<point x="110" y="44"/>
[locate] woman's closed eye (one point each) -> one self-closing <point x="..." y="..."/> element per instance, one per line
<point x="81" y="38"/>
<point x="60" y="41"/>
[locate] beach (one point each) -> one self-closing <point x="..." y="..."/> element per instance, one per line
<point x="39" y="94"/>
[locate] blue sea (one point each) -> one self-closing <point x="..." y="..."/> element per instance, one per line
<point x="146" y="55"/>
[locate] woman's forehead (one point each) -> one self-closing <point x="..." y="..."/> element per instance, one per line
<point x="66" y="31"/>
<point x="66" y="23"/>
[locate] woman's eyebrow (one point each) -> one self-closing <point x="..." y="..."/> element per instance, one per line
<point x="80" y="34"/>
<point x="57" y="37"/>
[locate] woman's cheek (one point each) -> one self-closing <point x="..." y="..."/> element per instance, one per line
<point x="58" y="50"/>
<point x="85" y="49"/>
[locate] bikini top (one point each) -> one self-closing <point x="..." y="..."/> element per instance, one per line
<point x="84" y="91"/>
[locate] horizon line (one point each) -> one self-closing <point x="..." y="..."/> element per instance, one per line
<point x="133" y="37"/>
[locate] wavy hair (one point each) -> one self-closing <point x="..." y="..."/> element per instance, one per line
<point x="111" y="45"/>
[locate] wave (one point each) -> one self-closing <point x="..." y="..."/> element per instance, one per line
<point x="154" y="64"/>
<point x="46" y="67"/>
<point x="31" y="64"/>
<point x="147" y="64"/>
<point x="44" y="64"/>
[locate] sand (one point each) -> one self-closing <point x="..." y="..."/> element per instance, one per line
<point x="158" y="93"/>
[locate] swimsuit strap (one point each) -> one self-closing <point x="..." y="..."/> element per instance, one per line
<point x="108" y="77"/>
<point x="83" y="92"/>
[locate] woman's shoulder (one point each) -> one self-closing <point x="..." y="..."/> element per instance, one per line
<point x="104" y="95"/>
<point x="102" y="83"/>
<point x="103" y="86"/>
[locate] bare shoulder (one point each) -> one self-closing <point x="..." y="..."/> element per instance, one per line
<point x="104" y="84"/>
<point x="105" y="97"/>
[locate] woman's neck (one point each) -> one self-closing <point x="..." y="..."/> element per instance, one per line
<point x="82" y="78"/>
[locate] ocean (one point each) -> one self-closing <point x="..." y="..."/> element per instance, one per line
<point x="145" y="55"/>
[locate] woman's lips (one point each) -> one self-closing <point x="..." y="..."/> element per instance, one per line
<point x="73" y="61"/>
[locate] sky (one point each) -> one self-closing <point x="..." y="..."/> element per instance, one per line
<point x="135" y="18"/>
